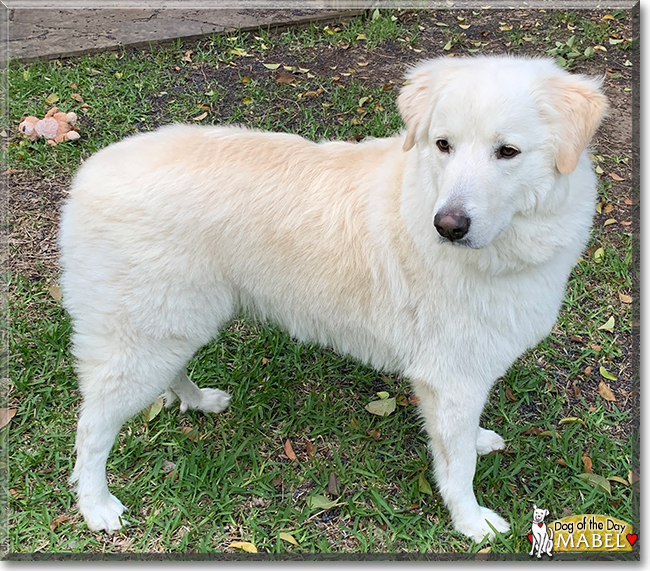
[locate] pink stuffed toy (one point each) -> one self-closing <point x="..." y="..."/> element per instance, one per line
<point x="55" y="127"/>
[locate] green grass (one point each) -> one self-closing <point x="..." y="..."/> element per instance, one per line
<point x="196" y="483"/>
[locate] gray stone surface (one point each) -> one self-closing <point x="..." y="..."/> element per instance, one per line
<point x="48" y="33"/>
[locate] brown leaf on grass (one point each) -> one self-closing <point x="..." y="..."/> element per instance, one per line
<point x="16" y="495"/>
<point x="265" y="361"/>
<point x="6" y="414"/>
<point x="561" y="461"/>
<point x="412" y="507"/>
<point x="59" y="520"/>
<point x="596" y="348"/>
<point x="509" y="395"/>
<point x="576" y="338"/>
<point x="414" y="400"/>
<point x="284" y="77"/>
<point x="624" y="298"/>
<point x="375" y="433"/>
<point x="77" y="97"/>
<point x="616" y="177"/>
<point x="587" y="462"/>
<point x="311" y="449"/>
<point x="333" y="484"/>
<point x="188" y="430"/>
<point x="532" y="430"/>
<point x="55" y="292"/>
<point x="576" y="391"/>
<point x="588" y="371"/>
<point x="605" y="392"/>
<point x="288" y="450"/>
<point x="608" y="208"/>
<point x="401" y="400"/>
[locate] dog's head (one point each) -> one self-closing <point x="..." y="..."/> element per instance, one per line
<point x="496" y="134"/>
<point x="539" y="514"/>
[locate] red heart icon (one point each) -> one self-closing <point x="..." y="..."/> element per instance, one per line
<point x="631" y="538"/>
<point x="530" y="537"/>
<point x="540" y="524"/>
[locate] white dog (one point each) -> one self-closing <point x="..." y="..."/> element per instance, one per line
<point x="440" y="254"/>
<point x="540" y="534"/>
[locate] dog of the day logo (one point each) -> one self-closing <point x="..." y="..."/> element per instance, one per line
<point x="579" y="533"/>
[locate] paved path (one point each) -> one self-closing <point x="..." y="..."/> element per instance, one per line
<point x="48" y="33"/>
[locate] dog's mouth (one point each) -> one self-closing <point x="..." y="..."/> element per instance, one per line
<point x="462" y="243"/>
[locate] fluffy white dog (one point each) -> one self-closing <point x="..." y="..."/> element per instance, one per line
<point x="440" y="254"/>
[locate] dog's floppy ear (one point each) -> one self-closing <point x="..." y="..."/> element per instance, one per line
<point x="415" y="98"/>
<point x="577" y="106"/>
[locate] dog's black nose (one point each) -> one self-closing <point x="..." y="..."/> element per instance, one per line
<point x="451" y="224"/>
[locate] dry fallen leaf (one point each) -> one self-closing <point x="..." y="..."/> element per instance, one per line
<point x="616" y="177"/>
<point x="55" y="292"/>
<point x="605" y="392"/>
<point x="153" y="410"/>
<point x="189" y="431"/>
<point x="284" y="536"/>
<point x="6" y="414"/>
<point x="588" y="371"/>
<point x="532" y="430"/>
<point x="284" y="77"/>
<point x="624" y="298"/>
<point x="375" y="433"/>
<point x="288" y="450"/>
<point x="608" y="325"/>
<point x="608" y="208"/>
<point x="76" y="97"/>
<point x="244" y="546"/>
<point x="333" y="484"/>
<point x="271" y="65"/>
<point x="561" y="461"/>
<point x="381" y="407"/>
<point x="588" y="463"/>
<point x="610" y="221"/>
<point x="59" y="520"/>
<point x="200" y="117"/>
<point x="423" y="484"/>
<point x="618" y="479"/>
<point x="311" y="449"/>
<point x="509" y="395"/>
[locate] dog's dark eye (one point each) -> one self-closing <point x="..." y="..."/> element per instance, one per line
<point x="443" y="145"/>
<point x="507" y="152"/>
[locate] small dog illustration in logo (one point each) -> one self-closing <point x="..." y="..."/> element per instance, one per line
<point x="540" y="536"/>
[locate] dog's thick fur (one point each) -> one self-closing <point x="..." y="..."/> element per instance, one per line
<point x="168" y="235"/>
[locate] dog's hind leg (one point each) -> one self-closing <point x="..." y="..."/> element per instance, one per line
<point x="488" y="441"/>
<point x="194" y="398"/>
<point x="114" y="389"/>
<point x="451" y="419"/>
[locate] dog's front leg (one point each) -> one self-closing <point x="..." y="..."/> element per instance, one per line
<point x="451" y="418"/>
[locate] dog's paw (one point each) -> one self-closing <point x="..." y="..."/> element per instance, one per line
<point x="212" y="400"/>
<point x="488" y="441"/>
<point x="478" y="527"/>
<point x="104" y="514"/>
